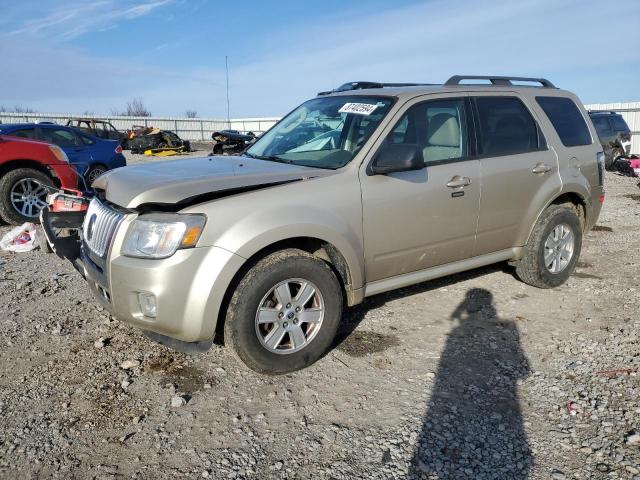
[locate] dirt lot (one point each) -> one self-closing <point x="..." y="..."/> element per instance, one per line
<point x="472" y="376"/>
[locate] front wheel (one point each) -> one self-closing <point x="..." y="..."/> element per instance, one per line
<point x="284" y="313"/>
<point x="553" y="249"/>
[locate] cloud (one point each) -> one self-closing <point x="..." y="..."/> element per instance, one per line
<point x="70" y="20"/>
<point x="426" y="42"/>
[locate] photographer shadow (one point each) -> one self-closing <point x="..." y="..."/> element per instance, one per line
<point x="473" y="426"/>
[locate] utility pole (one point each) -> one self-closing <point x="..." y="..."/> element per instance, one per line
<point x="226" y="66"/>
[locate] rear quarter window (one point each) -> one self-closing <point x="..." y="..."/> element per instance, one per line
<point x="566" y="120"/>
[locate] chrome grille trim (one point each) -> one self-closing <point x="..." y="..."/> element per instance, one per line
<point x="99" y="225"/>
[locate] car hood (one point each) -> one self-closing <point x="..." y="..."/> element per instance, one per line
<point x="180" y="181"/>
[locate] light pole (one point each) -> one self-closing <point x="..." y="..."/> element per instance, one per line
<point x="226" y="66"/>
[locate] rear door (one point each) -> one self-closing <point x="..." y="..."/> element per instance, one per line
<point x="519" y="171"/>
<point x="420" y="219"/>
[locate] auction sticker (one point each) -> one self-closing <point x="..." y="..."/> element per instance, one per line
<point x="358" y="108"/>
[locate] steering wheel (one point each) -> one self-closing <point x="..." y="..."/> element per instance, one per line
<point x="295" y="120"/>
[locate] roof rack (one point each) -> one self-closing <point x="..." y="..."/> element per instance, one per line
<point x="346" y="87"/>
<point x="497" y="80"/>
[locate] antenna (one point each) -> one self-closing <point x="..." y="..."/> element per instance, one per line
<point x="226" y="66"/>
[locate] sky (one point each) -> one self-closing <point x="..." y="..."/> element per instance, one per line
<point x="77" y="56"/>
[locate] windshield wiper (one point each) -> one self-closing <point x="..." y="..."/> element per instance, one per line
<point x="273" y="158"/>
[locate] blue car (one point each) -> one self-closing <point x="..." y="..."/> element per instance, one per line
<point x="91" y="156"/>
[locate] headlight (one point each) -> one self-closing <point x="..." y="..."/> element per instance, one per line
<point x="159" y="235"/>
<point x="59" y="153"/>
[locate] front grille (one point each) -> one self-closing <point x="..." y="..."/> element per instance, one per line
<point x="100" y="224"/>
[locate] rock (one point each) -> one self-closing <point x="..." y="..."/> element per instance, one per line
<point x="178" y="401"/>
<point x="558" y="475"/>
<point x="130" y="364"/>
<point x="101" y="342"/>
<point x="633" y="439"/>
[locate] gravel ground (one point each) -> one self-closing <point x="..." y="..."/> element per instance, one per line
<point x="473" y="376"/>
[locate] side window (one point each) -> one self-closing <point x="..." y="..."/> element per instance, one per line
<point x="86" y="140"/>
<point x="438" y="127"/>
<point x="602" y="125"/>
<point x="23" y="133"/>
<point x="59" y="137"/>
<point x="566" y="119"/>
<point x="619" y="125"/>
<point x="505" y="127"/>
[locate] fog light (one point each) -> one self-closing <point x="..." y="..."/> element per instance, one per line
<point x="147" y="303"/>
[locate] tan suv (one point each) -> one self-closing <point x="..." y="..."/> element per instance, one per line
<point x="361" y="190"/>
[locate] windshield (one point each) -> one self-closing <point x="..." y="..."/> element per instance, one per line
<point x="326" y="132"/>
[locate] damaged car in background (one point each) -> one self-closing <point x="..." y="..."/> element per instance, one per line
<point x="156" y="139"/>
<point x="267" y="247"/>
<point x="231" y="142"/>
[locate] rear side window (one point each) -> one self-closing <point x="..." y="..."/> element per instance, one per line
<point x="505" y="127"/>
<point x="619" y="125"/>
<point x="23" y="133"/>
<point x="86" y="140"/>
<point x="566" y="119"/>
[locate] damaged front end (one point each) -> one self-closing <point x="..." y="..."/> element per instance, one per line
<point x="62" y="221"/>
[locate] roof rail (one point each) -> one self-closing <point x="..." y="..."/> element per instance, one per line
<point x="497" y="80"/>
<point x="346" y="87"/>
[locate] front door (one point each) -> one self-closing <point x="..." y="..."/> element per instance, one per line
<point x="419" y="219"/>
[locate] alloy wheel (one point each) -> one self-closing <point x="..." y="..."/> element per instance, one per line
<point x="289" y="316"/>
<point x="558" y="248"/>
<point x="28" y="197"/>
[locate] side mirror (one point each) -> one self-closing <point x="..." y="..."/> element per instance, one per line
<point x="397" y="157"/>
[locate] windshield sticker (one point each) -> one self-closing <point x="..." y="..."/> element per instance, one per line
<point x="358" y="108"/>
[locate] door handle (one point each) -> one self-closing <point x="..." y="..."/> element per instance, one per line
<point x="541" y="168"/>
<point x="458" y="181"/>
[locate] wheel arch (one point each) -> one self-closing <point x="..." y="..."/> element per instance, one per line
<point x="574" y="198"/>
<point x="318" y="247"/>
<point x="27" y="163"/>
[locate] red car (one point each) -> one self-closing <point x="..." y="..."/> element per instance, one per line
<point x="26" y="165"/>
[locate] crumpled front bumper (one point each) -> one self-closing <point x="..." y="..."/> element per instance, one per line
<point x="188" y="287"/>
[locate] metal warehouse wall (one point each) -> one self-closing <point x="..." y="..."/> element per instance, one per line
<point x="630" y="111"/>
<point x="186" y="128"/>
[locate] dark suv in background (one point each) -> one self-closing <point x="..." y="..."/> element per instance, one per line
<point x="614" y="135"/>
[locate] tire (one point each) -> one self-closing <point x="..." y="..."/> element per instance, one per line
<point x="93" y="173"/>
<point x="256" y="289"/>
<point x="532" y="268"/>
<point x="610" y="161"/>
<point x="11" y="183"/>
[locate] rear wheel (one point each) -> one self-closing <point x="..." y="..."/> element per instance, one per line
<point x="284" y="313"/>
<point x="94" y="172"/>
<point x="553" y="249"/>
<point x="609" y="162"/>
<point x="22" y="195"/>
